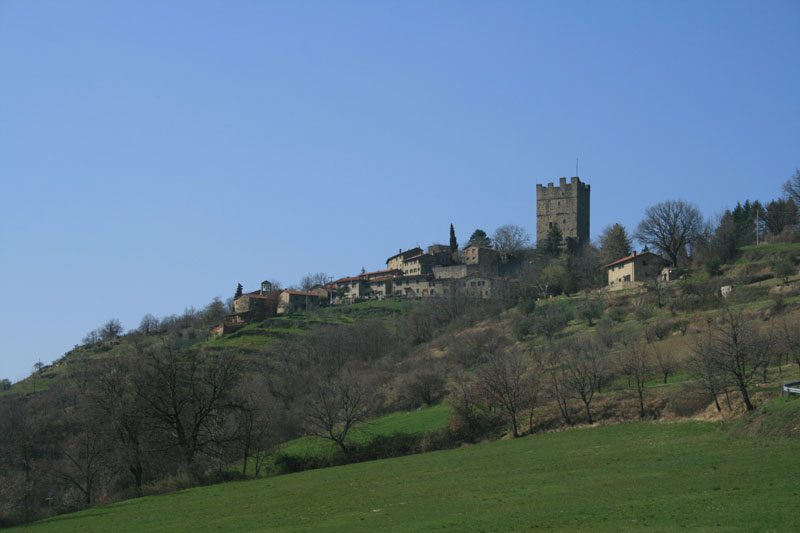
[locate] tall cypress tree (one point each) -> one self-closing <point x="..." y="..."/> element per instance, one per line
<point x="453" y="241"/>
<point x="238" y="291"/>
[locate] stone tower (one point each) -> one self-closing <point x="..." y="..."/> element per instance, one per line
<point x="566" y="205"/>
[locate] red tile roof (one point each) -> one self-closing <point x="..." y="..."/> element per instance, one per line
<point x="377" y="272"/>
<point x="351" y="278"/>
<point x="630" y="257"/>
<point x="302" y="293"/>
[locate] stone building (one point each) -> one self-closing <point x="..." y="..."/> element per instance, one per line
<point x="418" y="286"/>
<point x="263" y="302"/>
<point x="566" y="206"/>
<point x="396" y="261"/>
<point x="294" y="301"/>
<point x="634" y="270"/>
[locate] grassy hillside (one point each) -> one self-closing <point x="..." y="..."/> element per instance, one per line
<point x="632" y="476"/>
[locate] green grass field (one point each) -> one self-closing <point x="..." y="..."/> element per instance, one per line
<point x="657" y="476"/>
<point x="419" y="421"/>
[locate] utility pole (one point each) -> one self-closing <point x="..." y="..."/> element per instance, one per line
<point x="757" y="232"/>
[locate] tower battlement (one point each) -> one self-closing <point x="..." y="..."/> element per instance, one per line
<point x="565" y="205"/>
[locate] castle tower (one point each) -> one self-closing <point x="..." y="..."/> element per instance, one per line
<point x="567" y="206"/>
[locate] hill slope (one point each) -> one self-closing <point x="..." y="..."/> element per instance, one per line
<point x="645" y="475"/>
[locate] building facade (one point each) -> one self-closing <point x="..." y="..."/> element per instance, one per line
<point x="634" y="270"/>
<point x="566" y="206"/>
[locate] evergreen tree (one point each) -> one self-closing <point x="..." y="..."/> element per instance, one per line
<point x="479" y="238"/>
<point x="780" y="214"/>
<point x="553" y="241"/>
<point x="614" y="243"/>
<point x="453" y="241"/>
<point x="238" y="291"/>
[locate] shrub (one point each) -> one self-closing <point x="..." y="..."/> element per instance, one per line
<point x="522" y="328"/>
<point x="784" y="269"/>
<point x="689" y="402"/>
<point x="617" y="313"/>
<point x="712" y="266"/>
<point x="604" y="331"/>
<point x="643" y="313"/>
<point x="526" y="305"/>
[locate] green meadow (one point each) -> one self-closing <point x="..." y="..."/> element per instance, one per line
<point x="650" y="475"/>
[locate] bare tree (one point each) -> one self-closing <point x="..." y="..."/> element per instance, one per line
<point x="788" y="334"/>
<point x="256" y="423"/>
<point x="309" y="281"/>
<point x="505" y="377"/>
<point x="148" y="325"/>
<point x="110" y="330"/>
<point x="510" y="239"/>
<point x="740" y="350"/>
<point x="111" y="391"/>
<point x="80" y="456"/>
<point x="791" y="189"/>
<point x="665" y="362"/>
<point x="736" y="350"/>
<point x="465" y="401"/>
<point x="583" y="372"/>
<point x="670" y="227"/>
<point x="701" y="365"/>
<point x="634" y="363"/>
<point x="549" y="364"/>
<point x="187" y="394"/>
<point x="336" y="404"/>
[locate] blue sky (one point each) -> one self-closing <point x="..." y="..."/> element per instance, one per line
<point x="155" y="154"/>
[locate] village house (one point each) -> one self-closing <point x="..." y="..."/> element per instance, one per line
<point x="482" y="286"/>
<point x="350" y="289"/>
<point x="263" y="302"/>
<point x="396" y="261"/>
<point x="294" y="301"/>
<point x="422" y="285"/>
<point x="634" y="270"/>
<point x="378" y="288"/>
<point x="418" y="264"/>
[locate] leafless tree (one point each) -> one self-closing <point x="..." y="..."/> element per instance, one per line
<point x="550" y="366"/>
<point x="788" y="335"/>
<point x="665" y="362"/>
<point x="111" y="391"/>
<point x="507" y="379"/>
<point x="510" y="239"/>
<point x="148" y="325"/>
<point x="80" y="456"/>
<point x="791" y="189"/>
<point x="309" y="281"/>
<point x="738" y="350"/>
<point x="583" y="372"/>
<point x="670" y="227"/>
<point x="110" y="330"/>
<point x="337" y="403"/>
<point x="256" y="423"/>
<point x="703" y="367"/>
<point x="634" y="363"/>
<point x="187" y="394"/>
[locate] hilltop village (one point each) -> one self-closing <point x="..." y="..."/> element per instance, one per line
<point x="476" y="271"/>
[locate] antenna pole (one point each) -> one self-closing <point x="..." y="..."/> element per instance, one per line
<point x="757" y="232"/>
<point x="576" y="168"/>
